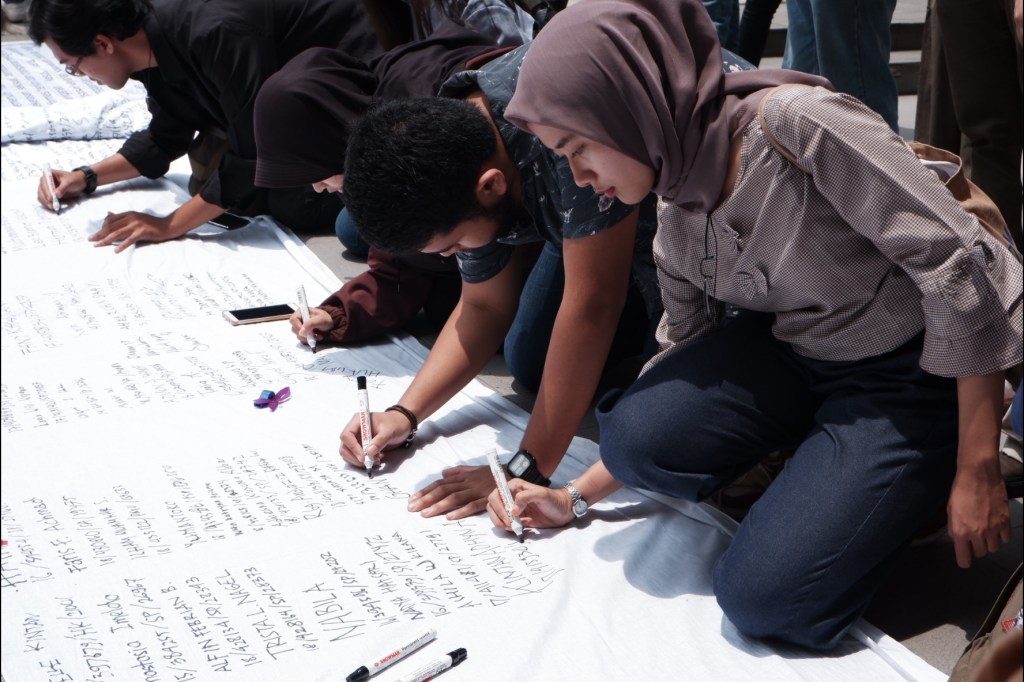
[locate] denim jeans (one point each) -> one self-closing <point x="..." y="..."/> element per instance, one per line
<point x="349" y="235"/>
<point x="875" y="457"/>
<point x="1017" y="411"/>
<point x="847" y="42"/>
<point x="526" y="344"/>
<point x="725" y="15"/>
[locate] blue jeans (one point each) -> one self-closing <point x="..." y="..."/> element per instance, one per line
<point x="349" y="235"/>
<point x="1017" y="411"/>
<point x="875" y="457"/>
<point x="526" y="344"/>
<point x="725" y="15"/>
<point x="847" y="42"/>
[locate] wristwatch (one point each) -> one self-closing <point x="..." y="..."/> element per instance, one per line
<point x="90" y="179"/>
<point x="579" y="505"/>
<point x="524" y="466"/>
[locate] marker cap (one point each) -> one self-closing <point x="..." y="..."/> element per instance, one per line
<point x="359" y="674"/>
<point x="361" y="383"/>
<point x="458" y="656"/>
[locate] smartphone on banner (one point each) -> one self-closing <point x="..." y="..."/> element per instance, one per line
<point x="266" y="313"/>
<point x="229" y="221"/>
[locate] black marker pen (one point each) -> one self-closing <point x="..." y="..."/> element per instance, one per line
<point x="429" y="672"/>
<point x="364" y="672"/>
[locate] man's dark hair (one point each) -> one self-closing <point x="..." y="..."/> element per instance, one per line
<point x="73" y="24"/>
<point x="411" y="170"/>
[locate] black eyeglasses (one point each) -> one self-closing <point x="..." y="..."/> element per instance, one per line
<point x="72" y="69"/>
<point x="708" y="270"/>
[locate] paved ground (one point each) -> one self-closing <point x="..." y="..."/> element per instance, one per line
<point x="928" y="604"/>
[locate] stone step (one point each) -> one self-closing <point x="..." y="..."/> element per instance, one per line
<point x="905" y="37"/>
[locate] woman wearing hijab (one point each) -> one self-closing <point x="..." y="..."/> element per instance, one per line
<point x="877" y="316"/>
<point x="301" y="121"/>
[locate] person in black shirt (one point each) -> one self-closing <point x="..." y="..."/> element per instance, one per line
<point x="326" y="89"/>
<point x="202" y="64"/>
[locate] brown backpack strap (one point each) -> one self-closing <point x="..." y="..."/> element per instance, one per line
<point x="768" y="133"/>
<point x="970" y="196"/>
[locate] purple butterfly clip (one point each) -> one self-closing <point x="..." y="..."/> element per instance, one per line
<point x="271" y="399"/>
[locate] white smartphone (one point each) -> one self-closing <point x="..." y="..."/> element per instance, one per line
<point x="265" y="313"/>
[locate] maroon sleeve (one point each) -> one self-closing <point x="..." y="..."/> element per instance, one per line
<point x="382" y="299"/>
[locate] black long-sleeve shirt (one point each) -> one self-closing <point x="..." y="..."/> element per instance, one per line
<point x="212" y="58"/>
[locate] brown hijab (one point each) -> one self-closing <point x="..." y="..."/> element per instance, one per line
<point x="303" y="111"/>
<point x="645" y="77"/>
<point x="302" y="115"/>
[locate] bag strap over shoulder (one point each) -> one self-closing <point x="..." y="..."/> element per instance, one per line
<point x="970" y="196"/>
<point x="767" y="131"/>
<point x="947" y="165"/>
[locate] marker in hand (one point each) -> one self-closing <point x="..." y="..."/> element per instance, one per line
<point x="300" y="293"/>
<point x="364" y="423"/>
<point x="506" y="494"/>
<point x="54" y="201"/>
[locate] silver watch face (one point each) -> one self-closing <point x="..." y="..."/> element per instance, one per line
<point x="518" y="464"/>
<point x="579" y="507"/>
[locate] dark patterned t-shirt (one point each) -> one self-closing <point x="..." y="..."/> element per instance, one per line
<point x="557" y="207"/>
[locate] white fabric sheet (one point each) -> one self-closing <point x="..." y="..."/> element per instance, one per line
<point x="42" y="102"/>
<point x="26" y="161"/>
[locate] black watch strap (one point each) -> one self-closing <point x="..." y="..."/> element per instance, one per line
<point x="532" y="474"/>
<point x="90" y="179"/>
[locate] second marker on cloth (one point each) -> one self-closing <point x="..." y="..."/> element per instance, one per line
<point x="432" y="670"/>
<point x="364" y="423"/>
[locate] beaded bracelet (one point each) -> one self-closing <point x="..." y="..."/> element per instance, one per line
<point x="413" y="422"/>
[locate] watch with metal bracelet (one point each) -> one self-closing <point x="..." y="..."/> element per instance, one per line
<point x="90" y="179"/>
<point x="524" y="466"/>
<point x="579" y="505"/>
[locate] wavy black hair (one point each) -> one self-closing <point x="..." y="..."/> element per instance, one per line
<point x="411" y="170"/>
<point x="74" y="24"/>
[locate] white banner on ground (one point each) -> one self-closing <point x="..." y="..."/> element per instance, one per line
<point x="161" y="527"/>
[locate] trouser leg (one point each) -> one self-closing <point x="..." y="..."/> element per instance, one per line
<point x="877" y="465"/>
<point x="707" y="413"/>
<point x="983" y="66"/>
<point x="526" y="344"/>
<point x="853" y="40"/>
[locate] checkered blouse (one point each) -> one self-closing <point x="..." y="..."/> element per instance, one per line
<point x="854" y="257"/>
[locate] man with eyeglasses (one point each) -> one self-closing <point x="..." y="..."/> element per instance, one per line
<point x="202" y="64"/>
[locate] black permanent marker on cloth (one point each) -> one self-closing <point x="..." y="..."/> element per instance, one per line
<point x="429" y="672"/>
<point x="364" y="423"/>
<point x="364" y="672"/>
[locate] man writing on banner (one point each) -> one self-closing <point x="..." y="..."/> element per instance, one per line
<point x="202" y="64"/>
